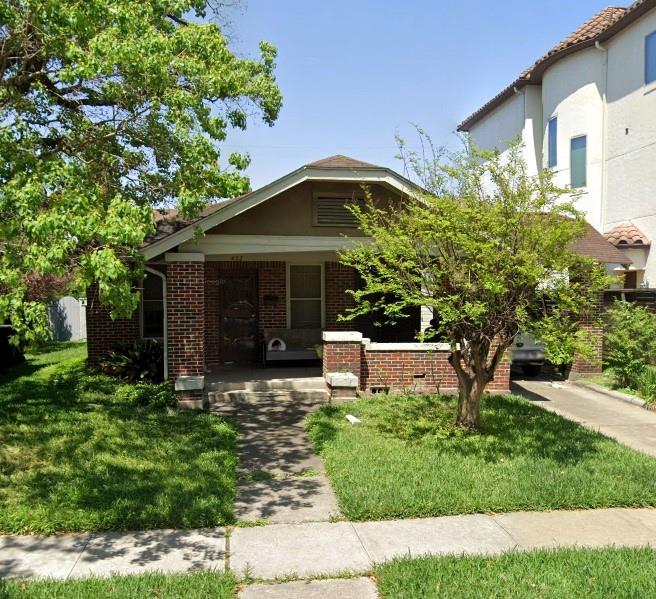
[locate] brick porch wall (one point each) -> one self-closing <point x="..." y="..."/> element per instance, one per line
<point x="103" y="333"/>
<point x="397" y="368"/>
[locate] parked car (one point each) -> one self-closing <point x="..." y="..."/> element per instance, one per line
<point x="10" y="355"/>
<point x="528" y="353"/>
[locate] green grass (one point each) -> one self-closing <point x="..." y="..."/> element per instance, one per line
<point x="73" y="457"/>
<point x="405" y="460"/>
<point x="550" y="574"/>
<point x="197" y="585"/>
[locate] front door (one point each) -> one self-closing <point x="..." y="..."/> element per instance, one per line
<point x="238" y="317"/>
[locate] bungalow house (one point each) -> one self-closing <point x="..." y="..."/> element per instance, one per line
<point x="266" y="272"/>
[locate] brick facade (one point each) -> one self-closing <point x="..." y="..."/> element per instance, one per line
<point x="272" y="300"/>
<point x="103" y="333"/>
<point x="339" y="278"/>
<point x="185" y="285"/>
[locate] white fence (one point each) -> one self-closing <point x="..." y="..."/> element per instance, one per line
<point x="68" y="319"/>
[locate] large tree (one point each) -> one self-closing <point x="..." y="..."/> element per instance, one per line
<point x="109" y="108"/>
<point x="489" y="249"/>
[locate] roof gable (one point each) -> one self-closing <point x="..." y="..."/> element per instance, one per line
<point x="172" y="231"/>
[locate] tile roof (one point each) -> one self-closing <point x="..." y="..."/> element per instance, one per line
<point x="625" y="235"/>
<point x="601" y="26"/>
<point x="341" y="161"/>
<point x="595" y="246"/>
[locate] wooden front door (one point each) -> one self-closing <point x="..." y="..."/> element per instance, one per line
<point x="238" y="318"/>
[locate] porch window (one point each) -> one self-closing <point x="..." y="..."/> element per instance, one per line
<point x="305" y="296"/>
<point x="152" y="307"/>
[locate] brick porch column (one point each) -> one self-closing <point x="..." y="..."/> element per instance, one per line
<point x="185" y="303"/>
<point x="592" y="324"/>
<point x="342" y="353"/>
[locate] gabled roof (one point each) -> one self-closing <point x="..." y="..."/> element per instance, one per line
<point x="627" y="235"/>
<point x="172" y="230"/>
<point x="599" y="28"/>
<point x="340" y="161"/>
<point x="595" y="246"/>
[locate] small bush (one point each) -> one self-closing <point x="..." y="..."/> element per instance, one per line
<point x="136" y="361"/>
<point x="630" y="340"/>
<point x="158" y="395"/>
<point x="647" y="385"/>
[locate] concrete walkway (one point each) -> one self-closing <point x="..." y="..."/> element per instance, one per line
<point x="319" y="548"/>
<point x="281" y="479"/>
<point x="629" y="424"/>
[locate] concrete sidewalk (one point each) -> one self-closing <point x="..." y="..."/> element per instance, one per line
<point x="628" y="424"/>
<point x="319" y="548"/>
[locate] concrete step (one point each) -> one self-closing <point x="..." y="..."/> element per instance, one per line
<point x="311" y="383"/>
<point x="281" y="396"/>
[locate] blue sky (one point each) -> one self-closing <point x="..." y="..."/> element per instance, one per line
<point x="354" y="73"/>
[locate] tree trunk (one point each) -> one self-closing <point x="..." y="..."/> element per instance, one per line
<point x="469" y="402"/>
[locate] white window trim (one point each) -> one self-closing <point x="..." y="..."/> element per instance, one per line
<point x="321" y="265"/>
<point x="165" y="338"/>
<point x="333" y="195"/>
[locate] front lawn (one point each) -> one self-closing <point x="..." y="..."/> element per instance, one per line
<point x="196" y="585"/>
<point x="74" y="456"/>
<point x="549" y="574"/>
<point x="405" y="460"/>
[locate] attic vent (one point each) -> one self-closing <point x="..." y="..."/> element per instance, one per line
<point x="332" y="211"/>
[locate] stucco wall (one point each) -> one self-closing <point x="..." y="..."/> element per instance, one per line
<point x="631" y="136"/>
<point x="291" y="213"/>
<point x="572" y="90"/>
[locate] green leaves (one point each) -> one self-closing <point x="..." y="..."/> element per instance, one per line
<point x="488" y="247"/>
<point x="109" y="108"/>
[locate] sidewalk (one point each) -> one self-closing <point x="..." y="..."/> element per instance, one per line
<point x="320" y="548"/>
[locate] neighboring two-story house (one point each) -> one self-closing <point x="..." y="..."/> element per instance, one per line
<point x="587" y="110"/>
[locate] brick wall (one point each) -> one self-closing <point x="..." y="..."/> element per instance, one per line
<point x="593" y="325"/>
<point x="103" y="333"/>
<point x="186" y="318"/>
<point x="339" y="278"/>
<point x="397" y="368"/>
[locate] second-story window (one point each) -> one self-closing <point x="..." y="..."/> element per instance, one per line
<point x="552" y="159"/>
<point x="650" y="58"/>
<point x="578" y="159"/>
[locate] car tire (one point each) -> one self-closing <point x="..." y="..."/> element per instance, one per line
<point x="531" y="370"/>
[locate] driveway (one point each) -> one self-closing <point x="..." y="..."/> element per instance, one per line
<point x="629" y="424"/>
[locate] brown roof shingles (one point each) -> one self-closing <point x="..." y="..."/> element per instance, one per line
<point x="340" y="161"/>
<point x="595" y="246"/>
<point x="604" y="22"/>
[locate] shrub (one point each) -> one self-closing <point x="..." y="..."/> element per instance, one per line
<point x="136" y="361"/>
<point x="630" y="341"/>
<point x="647" y="385"/>
<point x="159" y="395"/>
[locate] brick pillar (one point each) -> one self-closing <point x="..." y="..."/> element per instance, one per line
<point x="342" y="352"/>
<point x="339" y="279"/>
<point x="592" y="324"/>
<point x="501" y="381"/>
<point x="185" y="303"/>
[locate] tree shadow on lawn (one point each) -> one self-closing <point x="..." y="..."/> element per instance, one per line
<point x="74" y="458"/>
<point x="510" y="428"/>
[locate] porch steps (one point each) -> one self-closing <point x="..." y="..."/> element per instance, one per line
<point x="309" y="390"/>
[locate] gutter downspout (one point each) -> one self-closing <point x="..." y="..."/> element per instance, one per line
<point x="162" y="276"/>
<point x="604" y="126"/>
